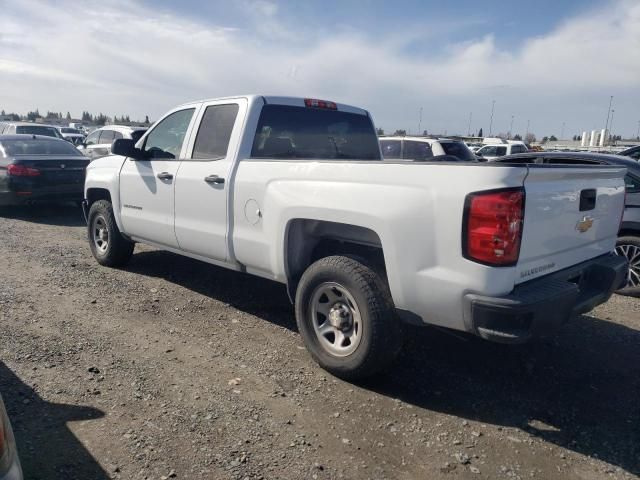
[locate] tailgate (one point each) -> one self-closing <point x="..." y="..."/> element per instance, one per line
<point x="572" y="214"/>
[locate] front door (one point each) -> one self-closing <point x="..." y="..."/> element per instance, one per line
<point x="203" y="180"/>
<point x="147" y="185"/>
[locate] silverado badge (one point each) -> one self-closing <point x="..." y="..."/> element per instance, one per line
<point x="584" y="224"/>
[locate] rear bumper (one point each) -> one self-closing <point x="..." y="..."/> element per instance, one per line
<point x="537" y="308"/>
<point x="28" y="196"/>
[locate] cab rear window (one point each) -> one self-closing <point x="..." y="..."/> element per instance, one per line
<point x="310" y="133"/>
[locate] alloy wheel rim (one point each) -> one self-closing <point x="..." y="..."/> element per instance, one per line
<point x="632" y="254"/>
<point x="100" y="234"/>
<point x="336" y="319"/>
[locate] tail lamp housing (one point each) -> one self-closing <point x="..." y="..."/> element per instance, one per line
<point x="492" y="226"/>
<point x="17" y="170"/>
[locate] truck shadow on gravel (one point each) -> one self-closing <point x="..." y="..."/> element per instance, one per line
<point x="46" y="446"/>
<point x="260" y="297"/>
<point x="60" y="214"/>
<point x="579" y="390"/>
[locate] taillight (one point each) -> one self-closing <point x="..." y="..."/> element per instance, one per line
<point x="492" y="226"/>
<point x="16" y="170"/>
<point x="314" y="103"/>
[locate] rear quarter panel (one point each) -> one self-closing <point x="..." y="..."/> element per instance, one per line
<point x="415" y="208"/>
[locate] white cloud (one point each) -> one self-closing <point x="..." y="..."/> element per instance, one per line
<point x="119" y="57"/>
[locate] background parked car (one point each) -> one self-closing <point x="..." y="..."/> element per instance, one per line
<point x="9" y="462"/>
<point x="40" y="168"/>
<point x="491" y="152"/>
<point x="13" y="128"/>
<point x="98" y="143"/>
<point x="421" y="149"/>
<point x="629" y="235"/>
<point x="72" y="135"/>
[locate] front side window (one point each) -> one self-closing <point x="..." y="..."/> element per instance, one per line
<point x="214" y="133"/>
<point x="106" y="136"/>
<point x="311" y="133"/>
<point x="92" y="139"/>
<point x="419" y="151"/>
<point x="391" y="149"/>
<point x="166" y="138"/>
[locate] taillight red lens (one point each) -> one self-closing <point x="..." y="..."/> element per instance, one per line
<point x="493" y="226"/>
<point x="22" y="171"/>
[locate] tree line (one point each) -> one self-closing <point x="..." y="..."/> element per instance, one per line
<point x="97" y="119"/>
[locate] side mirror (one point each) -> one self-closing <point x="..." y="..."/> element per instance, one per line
<point x="126" y="147"/>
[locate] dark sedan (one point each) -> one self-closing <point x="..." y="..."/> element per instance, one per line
<point x="34" y="168"/>
<point x="629" y="235"/>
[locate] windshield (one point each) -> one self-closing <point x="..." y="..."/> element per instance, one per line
<point x="38" y="147"/>
<point x="37" y="130"/>
<point x="299" y="132"/>
<point x="458" y="149"/>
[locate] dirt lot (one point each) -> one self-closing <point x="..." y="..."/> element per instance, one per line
<point x="172" y="368"/>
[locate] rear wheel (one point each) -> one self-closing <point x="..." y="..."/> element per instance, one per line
<point x="629" y="247"/>
<point x="107" y="244"/>
<point x="346" y="318"/>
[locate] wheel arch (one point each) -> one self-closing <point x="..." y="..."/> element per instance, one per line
<point x="308" y="240"/>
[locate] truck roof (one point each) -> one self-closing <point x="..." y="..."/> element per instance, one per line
<point x="280" y="100"/>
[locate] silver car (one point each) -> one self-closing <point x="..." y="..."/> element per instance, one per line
<point x="98" y="143"/>
<point x="9" y="463"/>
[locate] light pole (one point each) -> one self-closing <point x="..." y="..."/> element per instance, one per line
<point x="638" y="132"/>
<point x="611" y="125"/>
<point x="493" y="104"/>
<point x="527" y="134"/>
<point x="606" y="125"/>
<point x="469" y="127"/>
<point x="511" y="127"/>
<point x="420" y="123"/>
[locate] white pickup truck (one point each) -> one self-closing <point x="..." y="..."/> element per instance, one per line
<point x="295" y="190"/>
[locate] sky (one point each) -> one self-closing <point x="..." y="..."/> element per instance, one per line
<point x="545" y="64"/>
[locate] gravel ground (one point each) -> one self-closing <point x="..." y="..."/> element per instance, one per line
<point x="171" y="368"/>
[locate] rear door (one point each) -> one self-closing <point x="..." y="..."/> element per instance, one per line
<point x="147" y="185"/>
<point x="572" y="214"/>
<point x="202" y="183"/>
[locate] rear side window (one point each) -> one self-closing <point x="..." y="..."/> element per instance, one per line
<point x="36" y="130"/>
<point x="632" y="184"/>
<point x="307" y="133"/>
<point x="459" y="150"/>
<point x="391" y="149"/>
<point x="417" y="150"/>
<point x="214" y="133"/>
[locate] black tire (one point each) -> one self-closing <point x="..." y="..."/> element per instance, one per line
<point x="381" y="333"/>
<point x="117" y="250"/>
<point x="629" y="246"/>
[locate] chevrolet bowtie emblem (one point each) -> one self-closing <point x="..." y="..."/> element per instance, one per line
<point x="584" y="224"/>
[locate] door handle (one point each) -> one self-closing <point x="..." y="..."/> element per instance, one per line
<point x="165" y="176"/>
<point x="214" y="179"/>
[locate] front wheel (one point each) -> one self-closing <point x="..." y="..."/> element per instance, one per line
<point x="346" y="318"/>
<point x="107" y="244"/>
<point x="629" y="247"/>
